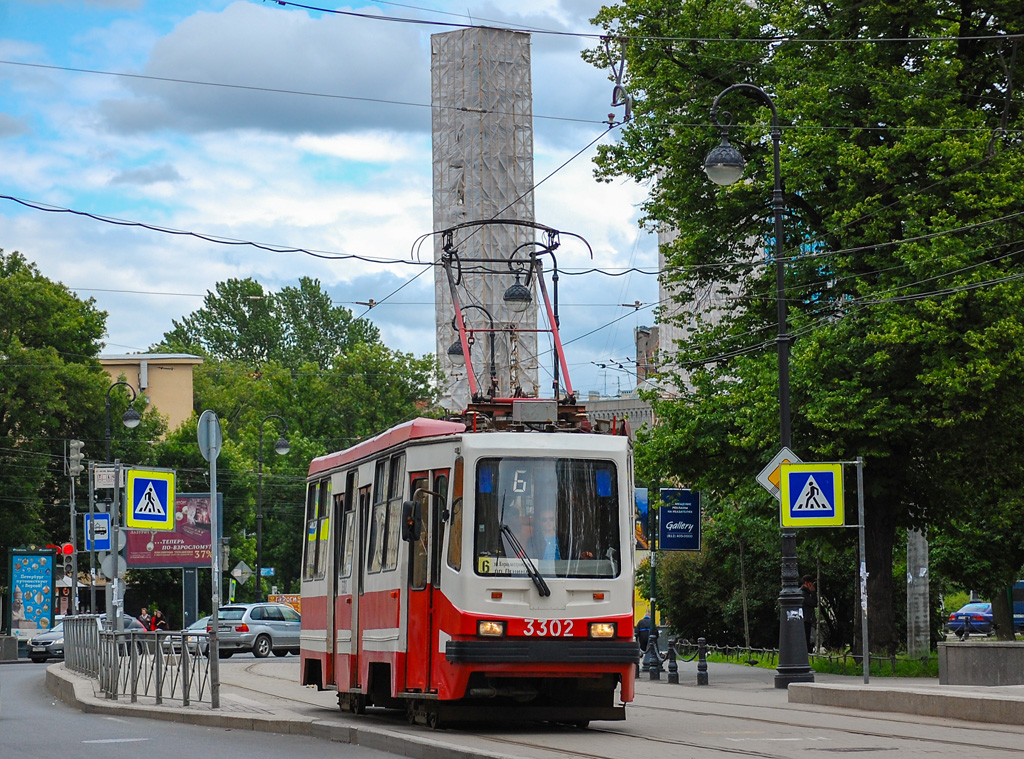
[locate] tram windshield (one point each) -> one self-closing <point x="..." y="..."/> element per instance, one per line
<point x="563" y="516"/>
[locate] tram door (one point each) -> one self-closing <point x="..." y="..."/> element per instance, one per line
<point x="359" y="564"/>
<point x="430" y="491"/>
<point x="340" y="611"/>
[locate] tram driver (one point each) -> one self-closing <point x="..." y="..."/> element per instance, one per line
<point x="545" y="535"/>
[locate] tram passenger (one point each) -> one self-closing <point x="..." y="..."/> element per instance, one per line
<point x="545" y="535"/>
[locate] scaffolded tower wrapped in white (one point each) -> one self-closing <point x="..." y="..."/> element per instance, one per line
<point x="482" y="123"/>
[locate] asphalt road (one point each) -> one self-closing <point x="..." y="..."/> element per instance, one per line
<point x="739" y="713"/>
<point x="33" y="723"/>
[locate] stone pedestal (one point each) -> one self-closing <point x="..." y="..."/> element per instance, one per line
<point x="8" y="648"/>
<point x="981" y="662"/>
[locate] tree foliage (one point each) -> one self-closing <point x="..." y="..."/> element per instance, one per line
<point x="295" y="356"/>
<point x="243" y="322"/>
<point x="902" y="157"/>
<point x="49" y="392"/>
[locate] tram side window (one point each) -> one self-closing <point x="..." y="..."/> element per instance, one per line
<point x="347" y="539"/>
<point x="440" y="486"/>
<point x="378" y="519"/>
<point x="318" y="499"/>
<point x="418" y="564"/>
<point x="455" y="526"/>
<point x="396" y="490"/>
<point x="323" y="528"/>
<point x="309" y="545"/>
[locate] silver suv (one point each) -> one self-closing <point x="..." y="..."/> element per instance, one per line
<point x="260" y="628"/>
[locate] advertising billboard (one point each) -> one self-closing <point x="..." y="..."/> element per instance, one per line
<point x="187" y="545"/>
<point x="679" y="519"/>
<point x="31" y="605"/>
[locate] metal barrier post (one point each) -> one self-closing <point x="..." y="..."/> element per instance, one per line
<point x="673" y="666"/>
<point x="134" y="667"/>
<point x="653" y="659"/>
<point x="158" y="666"/>
<point x="185" y="662"/>
<point x="702" y="661"/>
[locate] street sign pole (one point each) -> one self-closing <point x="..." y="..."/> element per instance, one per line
<point x="73" y="607"/>
<point x="115" y="621"/>
<point x="92" y="544"/>
<point x="865" y="656"/>
<point x="210" y="441"/>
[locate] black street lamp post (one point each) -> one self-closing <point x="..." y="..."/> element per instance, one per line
<point x="130" y="418"/>
<point x="114" y="595"/>
<point x="281" y="447"/>
<point x="724" y="165"/>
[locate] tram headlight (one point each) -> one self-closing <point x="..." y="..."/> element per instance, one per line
<point x="603" y="629"/>
<point x="490" y="628"/>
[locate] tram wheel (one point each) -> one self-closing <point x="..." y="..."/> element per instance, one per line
<point x="433" y="720"/>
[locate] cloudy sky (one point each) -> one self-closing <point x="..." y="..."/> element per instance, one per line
<point x="291" y="128"/>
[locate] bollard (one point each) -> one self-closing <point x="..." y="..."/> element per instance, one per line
<point x="673" y="667"/>
<point x="653" y="659"/>
<point x="702" y="661"/>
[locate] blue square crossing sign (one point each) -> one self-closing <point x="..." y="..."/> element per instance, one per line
<point x="150" y="499"/>
<point x="812" y="495"/>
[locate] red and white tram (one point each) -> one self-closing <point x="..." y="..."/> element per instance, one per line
<point x="466" y="569"/>
<point x="426" y="585"/>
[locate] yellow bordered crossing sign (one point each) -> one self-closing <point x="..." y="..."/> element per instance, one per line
<point x="150" y="499"/>
<point x="812" y="495"/>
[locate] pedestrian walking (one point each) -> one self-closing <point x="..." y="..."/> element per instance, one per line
<point x="810" y="605"/>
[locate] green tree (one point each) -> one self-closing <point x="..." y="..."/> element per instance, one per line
<point x="49" y="393"/>
<point x="243" y="322"/>
<point x="295" y="355"/>
<point x="901" y="162"/>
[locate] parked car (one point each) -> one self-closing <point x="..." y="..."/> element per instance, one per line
<point x="195" y="637"/>
<point x="974" y="618"/>
<point x="1018" y="606"/>
<point x="50" y="644"/>
<point x="47" y="645"/>
<point x="258" y="627"/>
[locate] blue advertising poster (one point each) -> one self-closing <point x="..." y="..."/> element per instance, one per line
<point x="640" y="496"/>
<point x="679" y="518"/>
<point x="32" y="590"/>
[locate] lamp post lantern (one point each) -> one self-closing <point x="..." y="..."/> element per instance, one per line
<point x="724" y="165"/>
<point x="458" y="357"/>
<point x="281" y="447"/>
<point x="130" y="418"/>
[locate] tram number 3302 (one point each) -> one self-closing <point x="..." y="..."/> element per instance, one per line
<point x="556" y="628"/>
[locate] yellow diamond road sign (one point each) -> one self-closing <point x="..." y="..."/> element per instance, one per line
<point x="150" y="499"/>
<point x="771" y="476"/>
<point x="812" y="495"/>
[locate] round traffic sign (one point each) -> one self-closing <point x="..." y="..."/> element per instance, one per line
<point x="107" y="565"/>
<point x="209" y="434"/>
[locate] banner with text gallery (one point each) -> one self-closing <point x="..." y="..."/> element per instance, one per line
<point x="679" y="520"/>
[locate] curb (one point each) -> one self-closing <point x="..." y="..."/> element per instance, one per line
<point x="976" y="706"/>
<point x="79" y="691"/>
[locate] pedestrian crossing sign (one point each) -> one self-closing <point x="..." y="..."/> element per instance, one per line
<point x="812" y="495"/>
<point x="150" y="499"/>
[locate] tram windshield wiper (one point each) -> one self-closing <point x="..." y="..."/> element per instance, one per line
<point x="531" y="568"/>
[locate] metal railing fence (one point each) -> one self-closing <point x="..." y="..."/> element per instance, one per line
<point x="163" y="666"/>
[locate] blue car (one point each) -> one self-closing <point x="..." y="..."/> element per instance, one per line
<point x="974" y="618"/>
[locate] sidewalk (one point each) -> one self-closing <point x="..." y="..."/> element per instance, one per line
<point x="253" y="702"/>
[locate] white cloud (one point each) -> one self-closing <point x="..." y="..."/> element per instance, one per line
<point x="328" y="74"/>
<point x="350" y="177"/>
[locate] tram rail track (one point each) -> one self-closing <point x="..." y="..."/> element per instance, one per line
<point x="895" y="732"/>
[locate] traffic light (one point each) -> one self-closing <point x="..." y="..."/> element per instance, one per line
<point x="75" y="465"/>
<point x="67" y="555"/>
